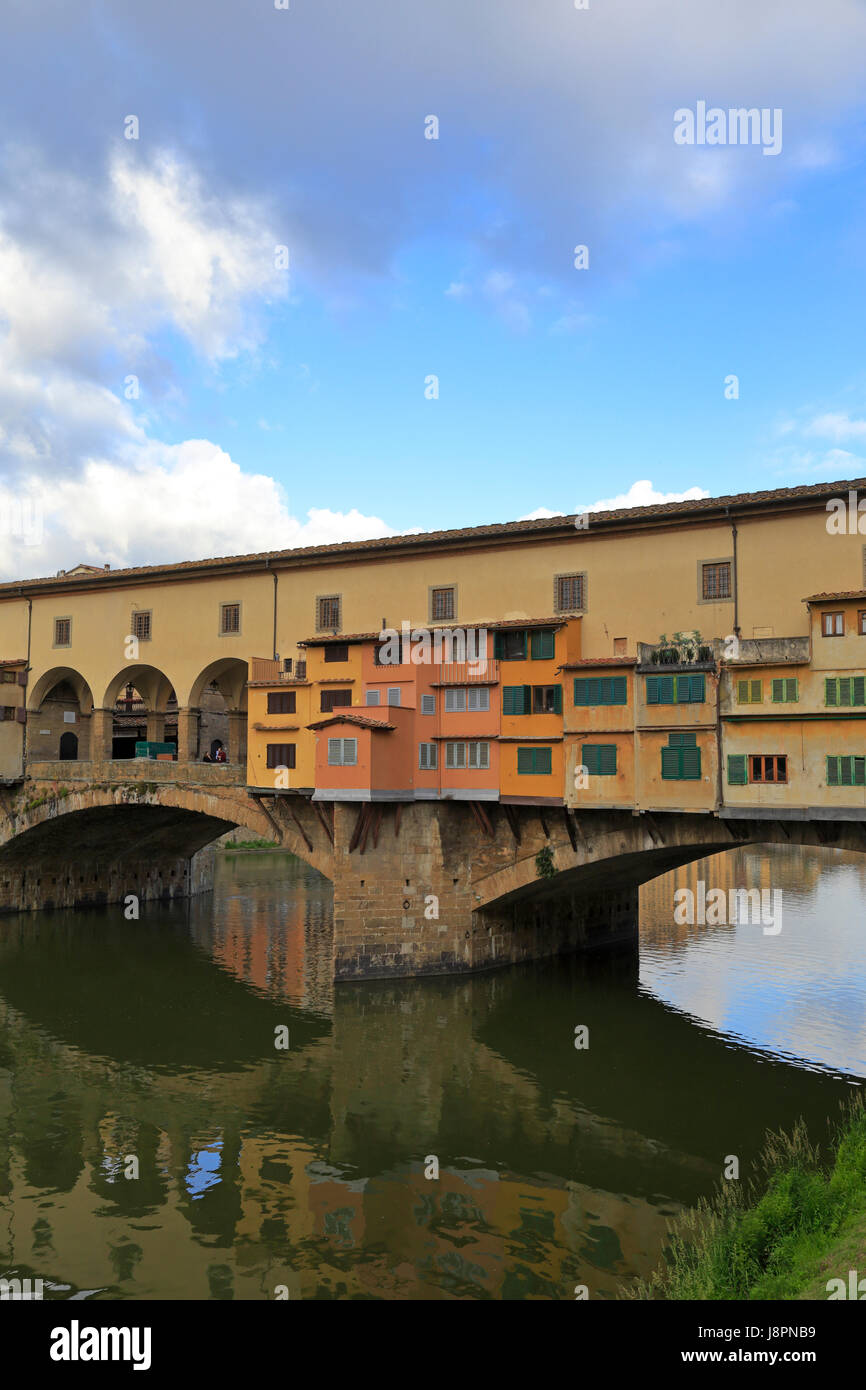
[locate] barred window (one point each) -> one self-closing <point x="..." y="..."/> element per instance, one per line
<point x="62" y="632"/>
<point x="569" y="592"/>
<point x="230" y="618"/>
<point x="328" y="614"/>
<point x="716" y="580"/>
<point x="141" y="625"/>
<point x="443" y="604"/>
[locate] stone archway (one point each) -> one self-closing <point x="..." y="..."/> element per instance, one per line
<point x="138" y="705"/>
<point x="60" y="707"/>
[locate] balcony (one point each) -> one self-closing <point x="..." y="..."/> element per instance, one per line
<point x="270" y="672"/>
<point x="484" y="671"/>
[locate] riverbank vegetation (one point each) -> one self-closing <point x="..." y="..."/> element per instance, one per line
<point x="799" y="1225"/>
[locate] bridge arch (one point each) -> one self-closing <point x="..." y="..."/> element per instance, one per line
<point x="154" y="686"/>
<point x="60" y="706"/>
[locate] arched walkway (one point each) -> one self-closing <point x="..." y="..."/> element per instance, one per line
<point x="60" y="709"/>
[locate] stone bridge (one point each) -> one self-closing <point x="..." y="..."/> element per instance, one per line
<point x="419" y="888"/>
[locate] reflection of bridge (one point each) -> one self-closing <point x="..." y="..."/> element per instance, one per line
<point x="423" y="888"/>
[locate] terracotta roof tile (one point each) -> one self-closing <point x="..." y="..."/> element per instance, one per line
<point x="362" y="720"/>
<point x="843" y="594"/>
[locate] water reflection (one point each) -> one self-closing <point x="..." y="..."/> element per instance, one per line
<point x="154" y="1041"/>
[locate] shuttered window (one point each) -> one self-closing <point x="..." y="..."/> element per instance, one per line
<point x="428" y="704"/>
<point x="716" y="580"/>
<point x="534" y="761"/>
<point x="547" y="699"/>
<point x="599" y="759"/>
<point x="478" y="754"/>
<point x="510" y="646"/>
<point x="281" y="701"/>
<point x="842" y="691"/>
<point x="681" y="760"/>
<point x="281" y="755"/>
<point x="373" y="697"/>
<point x="336" y="651"/>
<point x="670" y="690"/>
<point x="427" y="756"/>
<point x="455" y="755"/>
<point x="62" y="632"/>
<point x="328" y="615"/>
<point x="569" y="593"/>
<point x="516" y="699"/>
<point x="846" y="772"/>
<point x="604" y="690"/>
<point x="443" y="604"/>
<point x="342" y="752"/>
<point x="393" y="694"/>
<point x="542" y="644"/>
<point x="230" y="618"/>
<point x="785" y="690"/>
<point x="334" y="699"/>
<point x="737" y="775"/>
<point x="768" y="767"/>
<point x="750" y="692"/>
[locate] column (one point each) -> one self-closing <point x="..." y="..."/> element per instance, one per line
<point x="237" y="748"/>
<point x="155" y="726"/>
<point x="187" y="735"/>
<point x="101" y="734"/>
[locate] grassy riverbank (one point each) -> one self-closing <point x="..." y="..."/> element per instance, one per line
<point x="802" y="1223"/>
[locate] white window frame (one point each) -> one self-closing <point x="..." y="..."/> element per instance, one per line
<point x="478" y="755"/>
<point x="393" y="694"/>
<point x="428" y="704"/>
<point x="373" y="697"/>
<point x="342" y="752"/>
<point x="428" y="760"/>
<point x="452" y="756"/>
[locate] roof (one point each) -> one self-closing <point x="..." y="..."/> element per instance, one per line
<point x="362" y="720"/>
<point x="599" y="661"/>
<point x="843" y="594"/>
<point x="560" y="527"/>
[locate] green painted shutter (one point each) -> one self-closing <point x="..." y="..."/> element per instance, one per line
<point x="580" y="691"/>
<point x="670" y="763"/>
<point x="543" y="760"/>
<point x="620" y="690"/>
<point x="737" y="776"/>
<point x="859" y="772"/>
<point x="527" y="700"/>
<point x="652" y="690"/>
<point x="857" y="691"/>
<point x="498" y="645"/>
<point x="524" y="759"/>
<point x="742" y="692"/>
<point x="690" y="764"/>
<point x="756" y="694"/>
<point x="607" y="759"/>
<point x="845" y="778"/>
<point x="777" y="692"/>
<point x="792" y="693"/>
<point x="682" y="740"/>
<point x="832" y="772"/>
<point x="590" y="757"/>
<point x="542" y="645"/>
<point x="830" y="691"/>
<point x="683" y="687"/>
<point x="845" y="692"/>
<point x="557" y="699"/>
<point x="510" y="694"/>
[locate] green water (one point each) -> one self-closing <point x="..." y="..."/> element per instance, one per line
<point x="149" y="1048"/>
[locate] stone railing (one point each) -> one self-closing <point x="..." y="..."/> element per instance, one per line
<point x="139" y="770"/>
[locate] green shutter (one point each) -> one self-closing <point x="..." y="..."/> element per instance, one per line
<point x="516" y="699"/>
<point x="524" y="759"/>
<point x="660" y="690"/>
<point x="690" y="764"/>
<point x="859" y="772"/>
<point x="543" y="760"/>
<point x="737" y="776"/>
<point x="581" y="696"/>
<point x="792" y="693"/>
<point x="742" y="692"/>
<point x="845" y="778"/>
<point x="599" y="758"/>
<point x="620" y="691"/>
<point x="498" y="645"/>
<point x="857" y="691"/>
<point x="557" y="699"/>
<point x="845" y="692"/>
<point x="542" y="645"/>
<point x="682" y="740"/>
<point x="830" y="692"/>
<point x="756" y="694"/>
<point x="652" y="690"/>
<point x="777" y="692"/>
<point x="832" y="772"/>
<point x="670" y="763"/>
<point x="590" y="757"/>
<point x="683" y="686"/>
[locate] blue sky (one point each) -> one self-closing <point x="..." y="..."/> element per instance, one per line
<point x="274" y="408"/>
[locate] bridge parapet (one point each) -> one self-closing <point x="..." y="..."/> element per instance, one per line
<point x="139" y="770"/>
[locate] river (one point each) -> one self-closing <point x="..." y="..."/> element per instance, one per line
<point x="155" y="1142"/>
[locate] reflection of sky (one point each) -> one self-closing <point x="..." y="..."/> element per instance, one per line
<point x="801" y="994"/>
<point x="203" y="1171"/>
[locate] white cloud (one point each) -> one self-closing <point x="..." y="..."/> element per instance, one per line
<point x="836" y="425"/>
<point x="643" y="494"/>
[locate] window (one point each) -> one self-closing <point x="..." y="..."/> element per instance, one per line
<point x="141" y="625"/>
<point x="600" y="690"/>
<point x="62" y="632"/>
<point x="373" y="697"/>
<point x="534" y="761"/>
<point x="334" y="699"/>
<point x="337" y="651"/>
<point x="393" y="694"/>
<point x="459" y="755"/>
<point x="861" y="622"/>
<point x="832" y="624"/>
<point x="785" y="691"/>
<point x="230" y="618"/>
<point x="843" y="691"/>
<point x="750" y="692"/>
<point x="443" y="604"/>
<point x="8" y="677"/>
<point x="599" y="759"/>
<point x="427" y="756"/>
<point x="547" y="699"/>
<point x="462" y="698"/>
<point x="511" y="645"/>
<point x="675" y="690"/>
<point x="281" y="755"/>
<point x="681" y="760"/>
<point x="281" y="701"/>
<point x="428" y="704"/>
<point x="516" y="699"/>
<point x="716" y="580"/>
<point x="620" y="645"/>
<point x="342" y="752"/>
<point x="569" y="593"/>
<point x="770" y="767"/>
<point x="542" y="644"/>
<point x="7" y="711"/>
<point x="328" y="615"/>
<point x="737" y="769"/>
<point x="846" y="772"/>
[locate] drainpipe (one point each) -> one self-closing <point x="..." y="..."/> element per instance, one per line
<point x="276" y="580"/>
<point x="735" y="577"/>
<point x="29" y="602"/>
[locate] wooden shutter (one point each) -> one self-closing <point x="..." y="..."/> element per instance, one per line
<point x="792" y="693"/>
<point x="590" y="757"/>
<point x="859" y="772"/>
<point x="832" y="772"/>
<point x="513" y="699"/>
<point x="857" y="690"/>
<point x="742" y="692"/>
<point x="543" y="760"/>
<point x="737" y="775"/>
<point x="525" y="760"/>
<point x="830" y="691"/>
<point x="670" y="763"/>
<point x="607" y="759"/>
<point x="690" y="764"/>
<point x="335" y="752"/>
<point x="542" y="645"/>
<point x="557" y="699"/>
<point x="845" y="778"/>
<point x="619" y="695"/>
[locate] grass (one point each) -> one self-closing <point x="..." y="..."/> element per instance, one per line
<point x="782" y="1236"/>
<point x="252" y="844"/>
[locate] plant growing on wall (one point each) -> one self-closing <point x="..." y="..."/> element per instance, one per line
<point x="544" y="865"/>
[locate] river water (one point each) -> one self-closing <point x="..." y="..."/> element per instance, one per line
<point x="156" y="1143"/>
